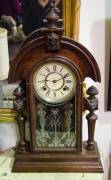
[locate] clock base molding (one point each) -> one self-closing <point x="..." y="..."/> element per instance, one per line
<point x="87" y="162"/>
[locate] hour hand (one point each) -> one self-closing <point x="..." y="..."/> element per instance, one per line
<point x="46" y="80"/>
<point x="42" y="81"/>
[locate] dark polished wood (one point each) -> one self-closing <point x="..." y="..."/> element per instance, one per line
<point x="34" y="52"/>
<point x="87" y="162"/>
<point x="13" y="49"/>
<point x="92" y="106"/>
<point x="19" y="93"/>
<point x="48" y="45"/>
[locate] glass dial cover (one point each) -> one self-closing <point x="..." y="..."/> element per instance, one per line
<point x="54" y="83"/>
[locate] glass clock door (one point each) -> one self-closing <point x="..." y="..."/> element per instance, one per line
<point x="55" y="126"/>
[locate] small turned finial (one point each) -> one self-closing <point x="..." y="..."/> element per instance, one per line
<point x="92" y="91"/>
<point x="53" y="28"/>
<point x="53" y="3"/>
<point x="52" y="16"/>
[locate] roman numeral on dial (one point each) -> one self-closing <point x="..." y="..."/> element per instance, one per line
<point x="68" y="81"/>
<point x="47" y="69"/>
<point x="48" y="93"/>
<point x="61" y="69"/>
<point x="42" y="74"/>
<point x="54" y="94"/>
<point x="54" y="67"/>
<point x="42" y="81"/>
<point x="62" y="93"/>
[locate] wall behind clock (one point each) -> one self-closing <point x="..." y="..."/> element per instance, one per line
<point x="95" y="34"/>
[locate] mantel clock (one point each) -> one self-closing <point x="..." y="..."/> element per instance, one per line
<point x="50" y="70"/>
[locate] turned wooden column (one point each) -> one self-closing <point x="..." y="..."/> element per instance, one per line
<point x="92" y="106"/>
<point x="19" y="93"/>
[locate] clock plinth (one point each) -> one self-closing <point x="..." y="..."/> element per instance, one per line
<point x="87" y="162"/>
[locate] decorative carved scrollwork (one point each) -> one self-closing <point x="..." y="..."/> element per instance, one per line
<point x="92" y="104"/>
<point x="52" y="42"/>
<point x="56" y="126"/>
<point x="92" y="101"/>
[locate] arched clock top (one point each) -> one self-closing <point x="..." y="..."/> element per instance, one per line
<point x="34" y="50"/>
<point x="84" y="55"/>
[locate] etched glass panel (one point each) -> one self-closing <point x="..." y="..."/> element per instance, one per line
<point x="55" y="126"/>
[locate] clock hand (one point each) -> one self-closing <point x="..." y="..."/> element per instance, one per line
<point x="59" y="79"/>
<point x="54" y="81"/>
<point x="66" y="75"/>
<point x="45" y="81"/>
<point x="48" y="80"/>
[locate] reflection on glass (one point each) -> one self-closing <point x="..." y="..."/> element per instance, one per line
<point x="56" y="126"/>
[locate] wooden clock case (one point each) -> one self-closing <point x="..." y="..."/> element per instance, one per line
<point x="44" y="45"/>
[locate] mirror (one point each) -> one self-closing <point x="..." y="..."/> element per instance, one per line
<point x="21" y="17"/>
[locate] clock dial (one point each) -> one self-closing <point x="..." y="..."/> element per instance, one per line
<point x="54" y="83"/>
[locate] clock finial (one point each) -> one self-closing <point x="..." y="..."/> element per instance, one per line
<point x="53" y="28"/>
<point x="52" y="17"/>
<point x="53" y="3"/>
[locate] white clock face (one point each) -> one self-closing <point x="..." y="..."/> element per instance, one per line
<point x="54" y="83"/>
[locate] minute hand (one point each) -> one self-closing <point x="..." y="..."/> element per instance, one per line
<point x="66" y="75"/>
